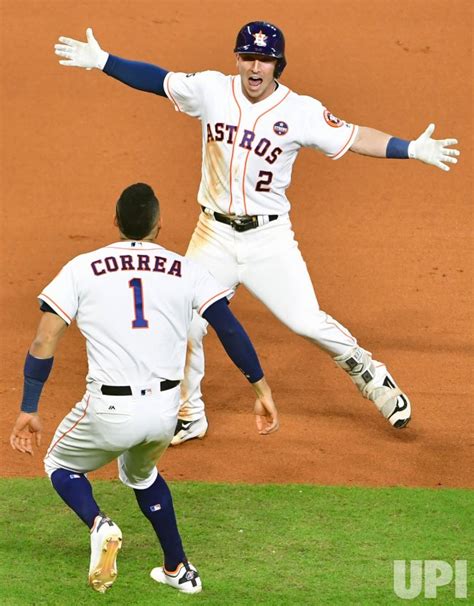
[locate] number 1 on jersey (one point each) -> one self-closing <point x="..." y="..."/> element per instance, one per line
<point x="139" y="322"/>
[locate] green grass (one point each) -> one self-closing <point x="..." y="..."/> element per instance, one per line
<point x="275" y="545"/>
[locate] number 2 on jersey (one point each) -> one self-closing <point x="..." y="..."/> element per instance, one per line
<point x="140" y="321"/>
<point x="264" y="183"/>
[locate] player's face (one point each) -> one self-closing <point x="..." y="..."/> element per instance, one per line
<point x="256" y="73"/>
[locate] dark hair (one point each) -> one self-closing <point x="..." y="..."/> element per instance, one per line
<point x="137" y="211"/>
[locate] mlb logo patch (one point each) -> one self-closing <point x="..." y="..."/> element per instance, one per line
<point x="156" y="507"/>
<point x="280" y="128"/>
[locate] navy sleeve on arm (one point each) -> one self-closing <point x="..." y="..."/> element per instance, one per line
<point x="143" y="76"/>
<point x="45" y="307"/>
<point x="235" y="340"/>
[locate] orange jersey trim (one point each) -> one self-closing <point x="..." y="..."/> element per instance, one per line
<point x="344" y="147"/>
<point x="233" y="145"/>
<point x="248" y="152"/>
<point x="54" y="303"/>
<point x="168" y="92"/>
<point x="70" y="429"/>
<point x="216" y="296"/>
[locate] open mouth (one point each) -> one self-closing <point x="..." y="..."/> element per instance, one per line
<point x="254" y="82"/>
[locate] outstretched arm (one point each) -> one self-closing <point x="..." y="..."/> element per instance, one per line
<point x="38" y="364"/>
<point x="88" y="55"/>
<point x="241" y="351"/>
<point x="371" y="142"/>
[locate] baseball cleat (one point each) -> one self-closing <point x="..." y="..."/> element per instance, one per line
<point x="376" y="384"/>
<point x="106" y="541"/>
<point x="390" y="400"/>
<point x="185" y="578"/>
<point x="188" y="430"/>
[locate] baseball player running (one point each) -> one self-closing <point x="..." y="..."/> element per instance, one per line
<point x="252" y="129"/>
<point x="133" y="301"/>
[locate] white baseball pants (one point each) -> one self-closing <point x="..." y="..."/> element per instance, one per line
<point x="268" y="262"/>
<point x="134" y="429"/>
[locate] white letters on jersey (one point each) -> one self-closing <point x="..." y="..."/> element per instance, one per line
<point x="249" y="148"/>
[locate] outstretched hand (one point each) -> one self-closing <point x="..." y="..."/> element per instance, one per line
<point x="433" y="151"/>
<point x="81" y="54"/>
<point x="26" y="426"/>
<point x="266" y="414"/>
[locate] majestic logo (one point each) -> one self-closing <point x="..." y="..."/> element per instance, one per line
<point x="190" y="75"/>
<point x="332" y="120"/>
<point x="260" y="39"/>
<point x="280" y="128"/>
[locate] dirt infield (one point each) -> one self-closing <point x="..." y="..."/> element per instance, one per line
<point x="387" y="242"/>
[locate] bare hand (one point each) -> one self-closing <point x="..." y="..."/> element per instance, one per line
<point x="433" y="151"/>
<point x="81" y="54"/>
<point x="26" y="426"/>
<point x="266" y="414"/>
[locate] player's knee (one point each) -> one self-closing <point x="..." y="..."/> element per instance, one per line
<point x="50" y="466"/>
<point x="307" y="325"/>
<point x="140" y="480"/>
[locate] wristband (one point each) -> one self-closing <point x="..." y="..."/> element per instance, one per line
<point x="397" y="148"/>
<point x="36" y="372"/>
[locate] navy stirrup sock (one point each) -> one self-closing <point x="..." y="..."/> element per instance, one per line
<point x="157" y="505"/>
<point x="75" y="490"/>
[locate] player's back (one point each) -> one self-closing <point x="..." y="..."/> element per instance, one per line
<point x="133" y="303"/>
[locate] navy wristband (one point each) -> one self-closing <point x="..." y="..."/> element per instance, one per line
<point x="36" y="372"/>
<point x="397" y="148"/>
<point x="32" y="389"/>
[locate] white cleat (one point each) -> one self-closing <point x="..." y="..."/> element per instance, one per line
<point x="185" y="578"/>
<point x="389" y="398"/>
<point x="377" y="384"/>
<point x="188" y="430"/>
<point x="106" y="541"/>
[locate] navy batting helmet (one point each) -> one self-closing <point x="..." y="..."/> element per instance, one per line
<point x="262" y="38"/>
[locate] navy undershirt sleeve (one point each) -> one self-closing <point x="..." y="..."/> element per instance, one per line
<point x="45" y="307"/>
<point x="143" y="76"/>
<point x="235" y="340"/>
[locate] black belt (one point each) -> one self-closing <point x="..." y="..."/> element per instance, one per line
<point x="126" y="390"/>
<point x="243" y="223"/>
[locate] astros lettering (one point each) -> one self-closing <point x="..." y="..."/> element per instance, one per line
<point x="138" y="263"/>
<point x="226" y="132"/>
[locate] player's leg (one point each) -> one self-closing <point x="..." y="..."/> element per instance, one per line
<point x="137" y="469"/>
<point x="74" y="451"/>
<point x="71" y="454"/>
<point x="212" y="246"/>
<point x="278" y="276"/>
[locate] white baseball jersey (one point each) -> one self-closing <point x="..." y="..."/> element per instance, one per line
<point x="248" y="149"/>
<point x="133" y="303"/>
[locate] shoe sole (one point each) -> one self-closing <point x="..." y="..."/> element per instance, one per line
<point x="401" y="423"/>
<point x="176" y="441"/>
<point x="105" y="572"/>
<point x="158" y="575"/>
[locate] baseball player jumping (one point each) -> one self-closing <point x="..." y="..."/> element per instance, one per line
<point x="133" y="301"/>
<point x="253" y="127"/>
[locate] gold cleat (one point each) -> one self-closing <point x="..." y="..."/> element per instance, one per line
<point x="106" y="542"/>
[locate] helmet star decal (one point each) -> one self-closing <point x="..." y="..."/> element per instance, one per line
<point x="260" y="38"/>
